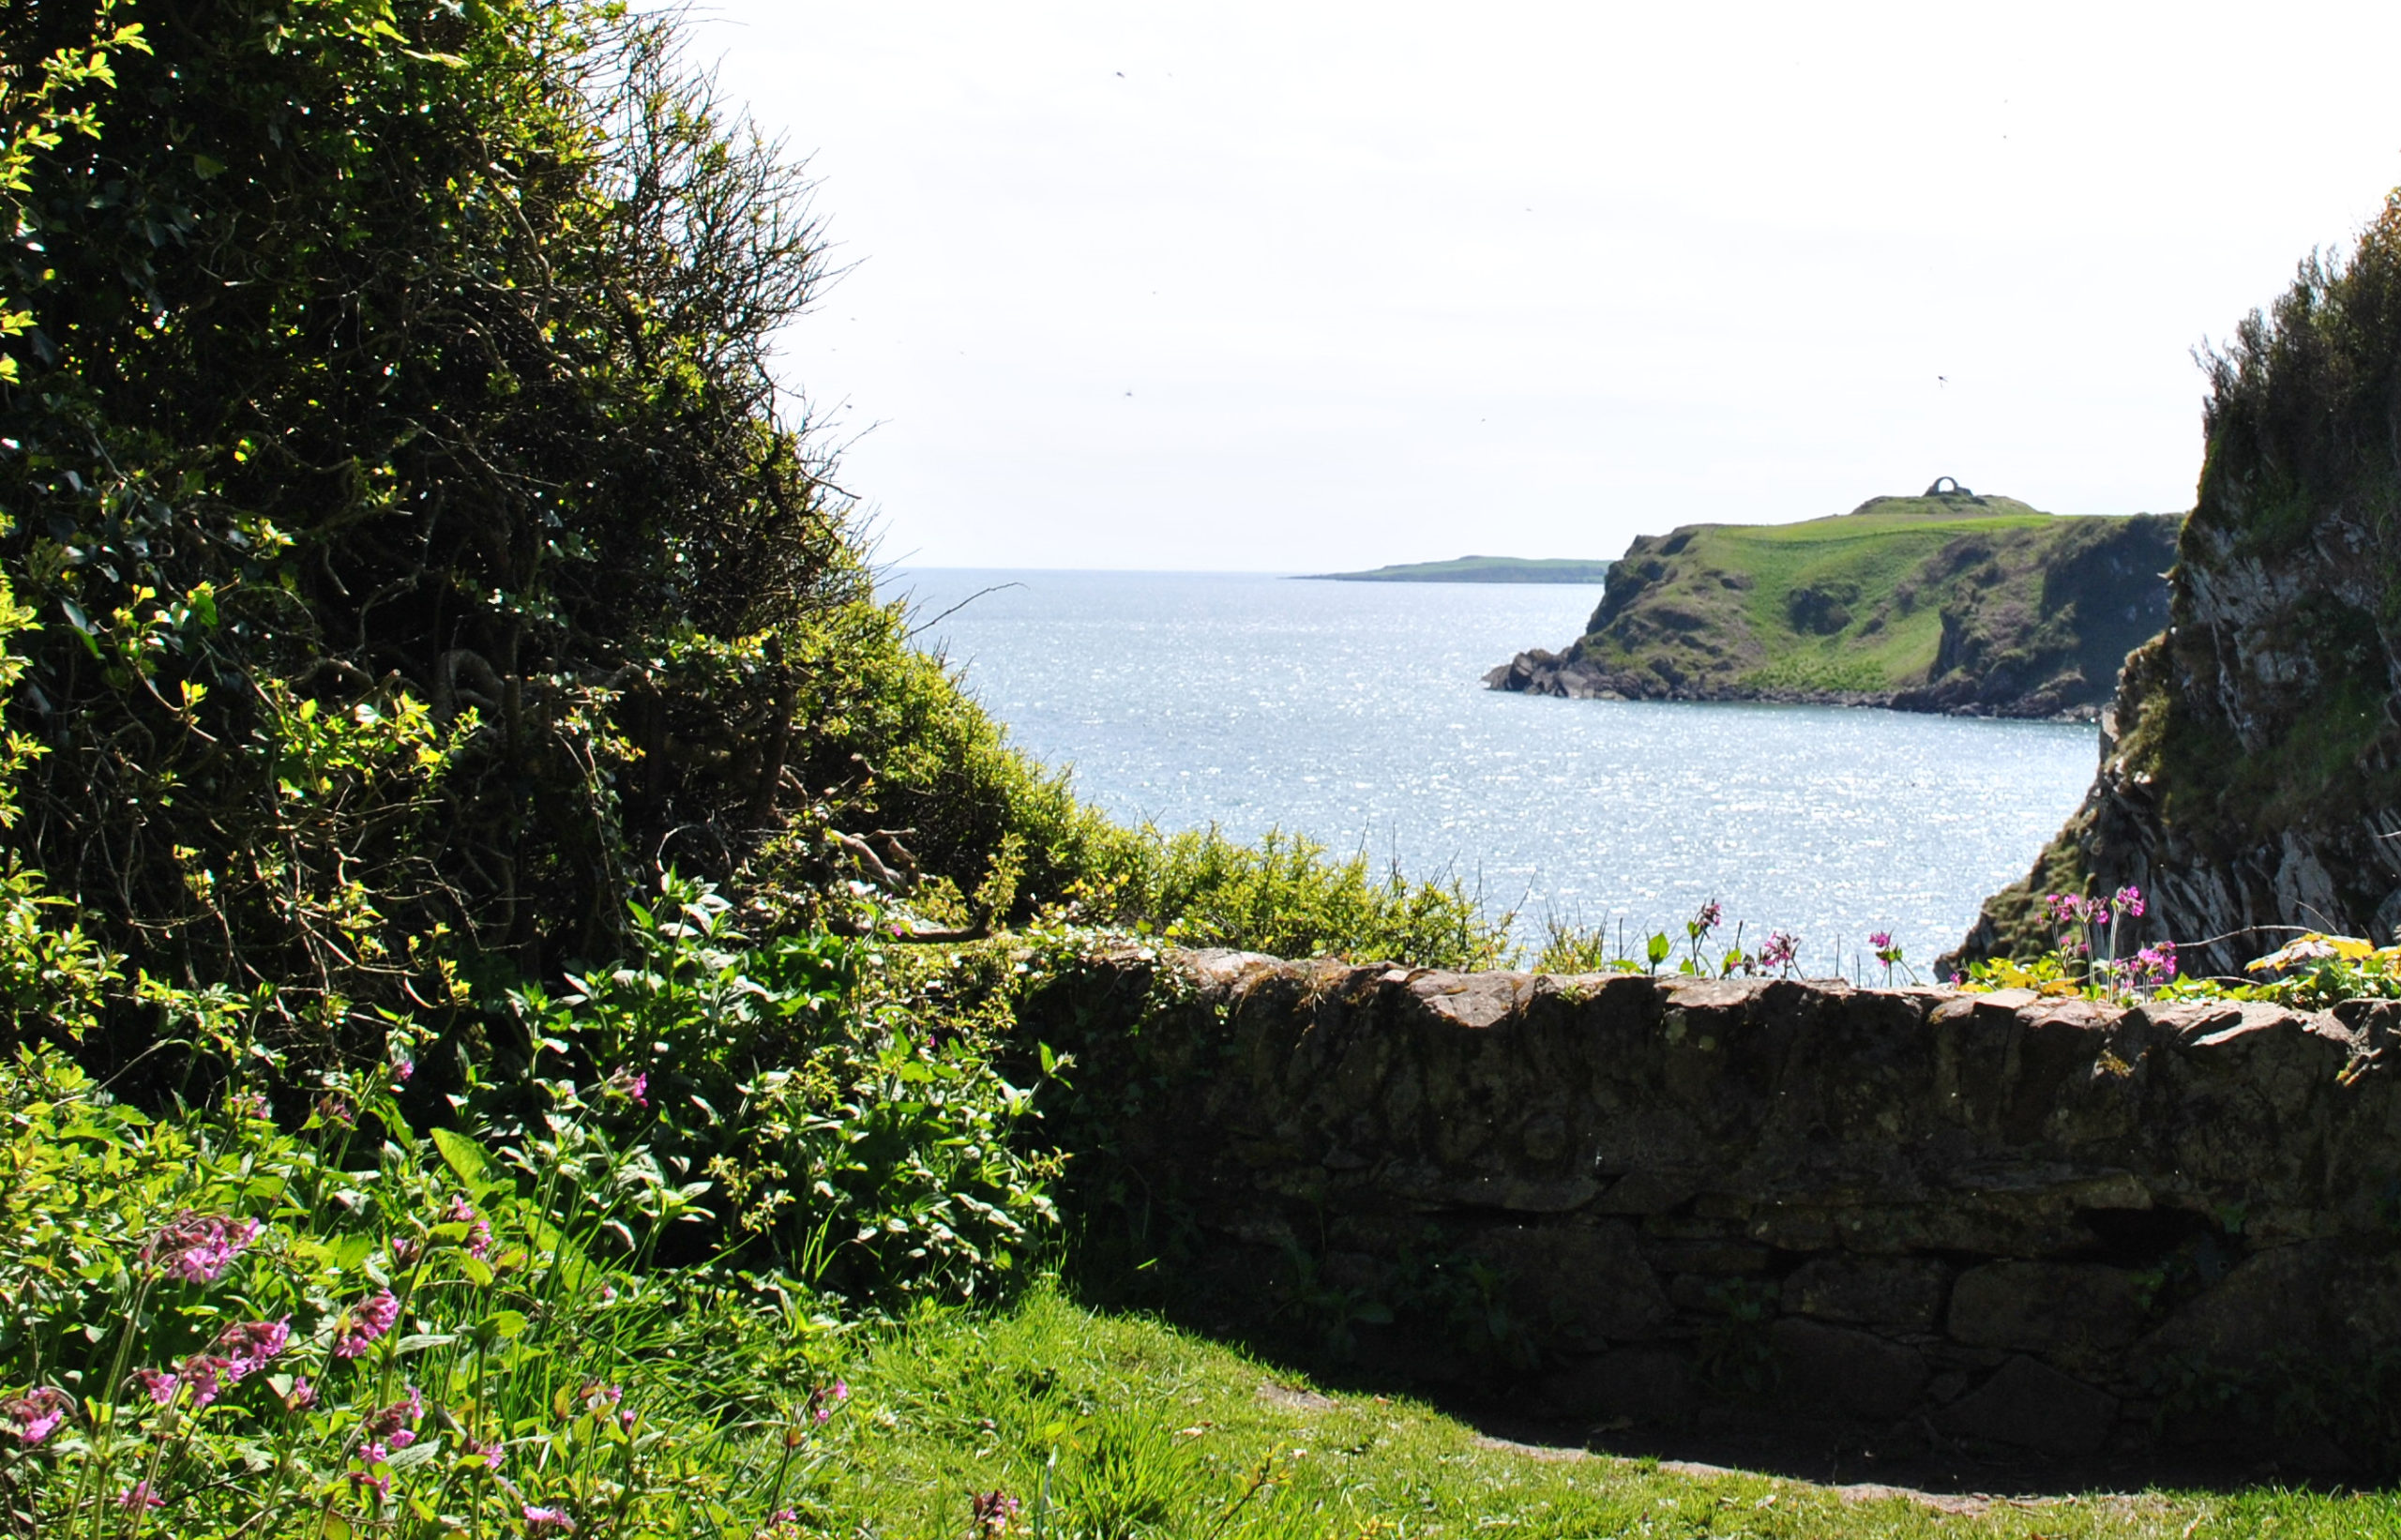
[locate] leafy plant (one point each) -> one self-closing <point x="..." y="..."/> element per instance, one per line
<point x="212" y="1324"/>
<point x="855" y="1145"/>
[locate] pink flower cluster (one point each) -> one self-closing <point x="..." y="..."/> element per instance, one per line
<point x="625" y="1082"/>
<point x="36" y="1413"/>
<point x="198" y="1248"/>
<point x="387" y="1432"/>
<point x="239" y="1352"/>
<point x="1783" y="949"/>
<point x="539" y="1519"/>
<point x="2154" y="966"/>
<point x="478" y="1228"/>
<point x="2075" y="909"/>
<point x="990" y="1513"/>
<point x="824" y="1398"/>
<point x="364" y="1322"/>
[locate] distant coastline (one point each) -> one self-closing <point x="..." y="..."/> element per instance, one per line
<point x="1477" y="569"/>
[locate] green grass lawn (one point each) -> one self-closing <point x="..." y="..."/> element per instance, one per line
<point x="1135" y="1428"/>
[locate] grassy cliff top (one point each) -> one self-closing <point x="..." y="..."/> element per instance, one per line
<point x="1899" y="595"/>
<point x="1480" y="569"/>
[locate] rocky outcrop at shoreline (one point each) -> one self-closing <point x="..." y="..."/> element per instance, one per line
<point x="2250" y="779"/>
<point x="1540" y="672"/>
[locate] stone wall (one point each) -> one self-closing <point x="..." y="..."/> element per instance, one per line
<point x="2048" y="1224"/>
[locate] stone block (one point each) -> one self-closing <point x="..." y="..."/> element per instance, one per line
<point x="2047" y="1306"/>
<point x="1716" y="1256"/>
<point x="1647" y="1192"/>
<point x="1581" y="1282"/>
<point x="1646" y="1385"/>
<point x="1905" y="1292"/>
<point x="2034" y="1406"/>
<point x="1857" y="1373"/>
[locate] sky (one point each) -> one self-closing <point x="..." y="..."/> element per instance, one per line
<point x="1305" y="285"/>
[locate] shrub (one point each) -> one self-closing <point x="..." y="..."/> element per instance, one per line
<point x="850" y="1142"/>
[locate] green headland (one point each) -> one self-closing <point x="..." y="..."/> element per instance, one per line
<point x="1943" y="602"/>
<point x="1479" y="569"/>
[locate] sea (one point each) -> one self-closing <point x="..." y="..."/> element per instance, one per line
<point x="1356" y="714"/>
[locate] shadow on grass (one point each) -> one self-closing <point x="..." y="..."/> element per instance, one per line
<point x="1762" y="1434"/>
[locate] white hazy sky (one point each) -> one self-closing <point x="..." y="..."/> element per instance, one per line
<point x="1297" y="285"/>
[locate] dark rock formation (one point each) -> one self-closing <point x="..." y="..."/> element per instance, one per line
<point x="2250" y="782"/>
<point x="2054" y="1225"/>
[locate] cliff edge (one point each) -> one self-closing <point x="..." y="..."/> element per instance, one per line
<point x="1948" y="602"/>
<point x="2250" y="777"/>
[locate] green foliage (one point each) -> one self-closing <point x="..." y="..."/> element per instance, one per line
<point x="404" y="364"/>
<point x="2297" y="412"/>
<point x="374" y="1336"/>
<point x="1285" y="897"/>
<point x="856" y="1146"/>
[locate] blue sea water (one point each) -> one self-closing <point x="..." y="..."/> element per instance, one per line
<point x="1356" y="714"/>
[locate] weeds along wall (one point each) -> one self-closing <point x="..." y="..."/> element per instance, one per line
<point x="2052" y="1225"/>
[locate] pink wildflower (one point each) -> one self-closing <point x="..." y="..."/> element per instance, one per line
<point x="367" y="1480"/>
<point x="625" y="1082"/>
<point x="2155" y="965"/>
<point x="139" y="1496"/>
<point x="479" y="1231"/>
<point x="548" y="1518"/>
<point x="404" y="1071"/>
<point x="1782" y="950"/>
<point x="335" y="1108"/>
<point x="206" y="1374"/>
<point x="365" y="1321"/>
<point x="198" y="1248"/>
<point x="2129" y="900"/>
<point x="394" y="1424"/>
<point x="251" y="1344"/>
<point x="303" y="1396"/>
<point x="824" y="1398"/>
<point x="1881" y="940"/>
<point x="405" y="1250"/>
<point x="990" y="1511"/>
<point x="159" y="1384"/>
<point x="38" y="1413"/>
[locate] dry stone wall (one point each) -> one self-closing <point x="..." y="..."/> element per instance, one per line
<point x="2048" y="1224"/>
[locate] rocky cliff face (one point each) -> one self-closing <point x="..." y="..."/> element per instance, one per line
<point x="2250" y="780"/>
<point x="1965" y="605"/>
<point x="1994" y="1219"/>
